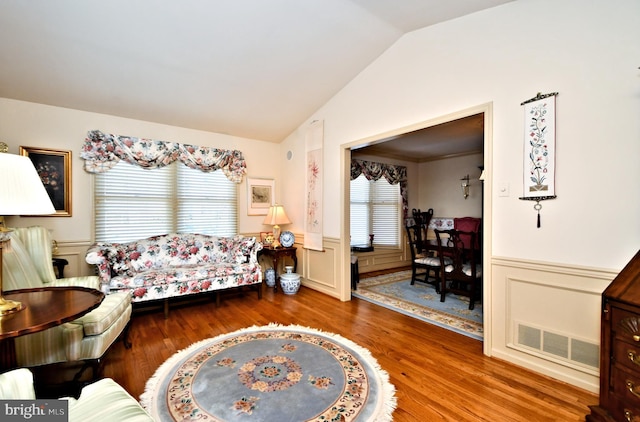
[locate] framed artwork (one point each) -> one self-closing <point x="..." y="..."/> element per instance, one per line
<point x="54" y="168"/>
<point x="260" y="195"/>
<point x="266" y="238"/>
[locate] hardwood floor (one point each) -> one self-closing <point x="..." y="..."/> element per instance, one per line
<point x="438" y="374"/>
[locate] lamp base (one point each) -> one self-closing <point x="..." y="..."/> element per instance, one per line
<point x="276" y="237"/>
<point x="9" y="306"/>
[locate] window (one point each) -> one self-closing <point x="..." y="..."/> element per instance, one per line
<point x="132" y="202"/>
<point x="375" y="209"/>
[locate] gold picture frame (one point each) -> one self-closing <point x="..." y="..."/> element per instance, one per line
<point x="54" y="168"/>
<point x="260" y="195"/>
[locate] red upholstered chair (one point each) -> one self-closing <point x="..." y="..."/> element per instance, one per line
<point x="468" y="224"/>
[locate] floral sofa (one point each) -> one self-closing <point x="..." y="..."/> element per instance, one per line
<point x="171" y="265"/>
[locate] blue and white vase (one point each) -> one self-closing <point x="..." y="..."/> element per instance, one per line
<point x="270" y="277"/>
<point x="290" y="282"/>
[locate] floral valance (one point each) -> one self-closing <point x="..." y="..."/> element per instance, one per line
<point x="102" y="152"/>
<point x="374" y="171"/>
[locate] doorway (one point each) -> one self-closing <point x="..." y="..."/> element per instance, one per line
<point x="376" y="141"/>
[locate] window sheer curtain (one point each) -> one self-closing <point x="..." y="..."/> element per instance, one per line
<point x="374" y="171"/>
<point x="102" y="152"/>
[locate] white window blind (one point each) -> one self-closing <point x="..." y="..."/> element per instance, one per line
<point x="132" y="202"/>
<point x="375" y="209"/>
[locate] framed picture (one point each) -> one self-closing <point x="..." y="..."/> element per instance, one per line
<point x="260" y="195"/>
<point x="266" y="238"/>
<point x="54" y="168"/>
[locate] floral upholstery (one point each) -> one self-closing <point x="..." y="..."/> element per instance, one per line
<point x="171" y="265"/>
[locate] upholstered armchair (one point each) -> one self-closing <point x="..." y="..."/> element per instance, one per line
<point x="27" y="264"/>
<point x="103" y="400"/>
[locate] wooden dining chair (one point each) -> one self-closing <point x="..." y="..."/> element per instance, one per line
<point x="463" y="275"/>
<point x="422" y="262"/>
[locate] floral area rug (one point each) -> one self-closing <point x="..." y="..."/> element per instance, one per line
<point x="271" y="373"/>
<point x="421" y="301"/>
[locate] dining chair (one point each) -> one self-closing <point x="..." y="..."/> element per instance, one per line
<point x="422" y="262"/>
<point x="463" y="275"/>
<point x="468" y="224"/>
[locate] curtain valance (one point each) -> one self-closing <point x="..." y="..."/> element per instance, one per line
<point x="374" y="171"/>
<point x="102" y="152"/>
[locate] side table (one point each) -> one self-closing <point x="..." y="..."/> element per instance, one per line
<point x="277" y="254"/>
<point x="44" y="307"/>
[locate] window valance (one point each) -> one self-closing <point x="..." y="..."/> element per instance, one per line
<point x="102" y="152"/>
<point x="374" y="171"/>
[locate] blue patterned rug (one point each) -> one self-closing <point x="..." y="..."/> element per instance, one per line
<point x="271" y="373"/>
<point x="421" y="301"/>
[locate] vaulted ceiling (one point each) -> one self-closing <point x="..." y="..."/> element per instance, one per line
<point x="249" y="68"/>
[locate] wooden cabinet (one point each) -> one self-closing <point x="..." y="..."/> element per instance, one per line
<point x="620" y="349"/>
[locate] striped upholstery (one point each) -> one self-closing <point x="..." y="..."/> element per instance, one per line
<point x="432" y="261"/>
<point x="101" y="401"/>
<point x="27" y="264"/>
<point x="17" y="385"/>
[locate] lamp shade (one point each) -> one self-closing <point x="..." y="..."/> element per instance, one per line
<point x="21" y="190"/>
<point x="276" y="216"/>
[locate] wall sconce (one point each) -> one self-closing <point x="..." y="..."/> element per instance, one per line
<point x="465" y="186"/>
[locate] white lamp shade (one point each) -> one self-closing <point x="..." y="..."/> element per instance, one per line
<point x="276" y="216"/>
<point x="21" y="190"/>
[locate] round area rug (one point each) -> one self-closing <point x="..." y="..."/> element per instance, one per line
<point x="271" y="373"/>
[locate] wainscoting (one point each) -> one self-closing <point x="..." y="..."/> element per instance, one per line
<point x="546" y="317"/>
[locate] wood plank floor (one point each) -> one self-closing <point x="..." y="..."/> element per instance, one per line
<point x="438" y="374"/>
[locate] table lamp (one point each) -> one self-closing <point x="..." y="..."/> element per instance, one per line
<point x="21" y="193"/>
<point x="275" y="217"/>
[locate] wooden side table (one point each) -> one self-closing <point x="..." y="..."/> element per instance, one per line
<point x="277" y="254"/>
<point x="43" y="308"/>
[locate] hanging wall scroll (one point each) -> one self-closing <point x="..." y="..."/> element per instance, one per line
<point x="539" y="149"/>
<point x="315" y="174"/>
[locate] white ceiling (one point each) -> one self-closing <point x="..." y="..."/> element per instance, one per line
<point x="249" y="68"/>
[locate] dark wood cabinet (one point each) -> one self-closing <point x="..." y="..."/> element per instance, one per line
<point x="620" y="349"/>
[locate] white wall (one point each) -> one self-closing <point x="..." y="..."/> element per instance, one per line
<point x="588" y="53"/>
<point x="440" y="186"/>
<point x="37" y="125"/>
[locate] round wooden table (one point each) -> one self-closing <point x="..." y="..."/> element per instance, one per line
<point x="43" y="308"/>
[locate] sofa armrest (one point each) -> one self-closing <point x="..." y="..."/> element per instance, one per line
<point x="108" y="401"/>
<point x="17" y="385"/>
<point x="97" y="256"/>
<point x="257" y="247"/>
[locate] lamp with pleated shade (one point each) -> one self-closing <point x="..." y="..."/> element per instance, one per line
<point x="275" y="217"/>
<point x="21" y="193"/>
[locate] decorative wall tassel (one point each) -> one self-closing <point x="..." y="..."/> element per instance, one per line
<point x="538" y="205"/>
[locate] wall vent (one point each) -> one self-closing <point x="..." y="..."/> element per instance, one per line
<point x="558" y="346"/>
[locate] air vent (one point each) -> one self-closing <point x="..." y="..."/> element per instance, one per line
<point x="558" y="346"/>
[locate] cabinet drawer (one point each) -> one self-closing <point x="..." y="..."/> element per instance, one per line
<point x="627" y="355"/>
<point x="626" y="325"/>
<point x="626" y="387"/>
<point x="623" y="412"/>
